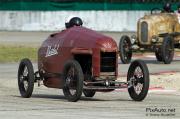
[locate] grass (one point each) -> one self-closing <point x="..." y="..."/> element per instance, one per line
<point x="12" y="53"/>
<point x="16" y="53"/>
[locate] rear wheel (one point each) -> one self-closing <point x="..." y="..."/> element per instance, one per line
<point x="167" y="50"/>
<point x="138" y="80"/>
<point x="26" y="78"/>
<point x="89" y="93"/>
<point x="125" y="49"/>
<point x="73" y="81"/>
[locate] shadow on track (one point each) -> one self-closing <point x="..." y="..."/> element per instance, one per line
<point x="61" y="98"/>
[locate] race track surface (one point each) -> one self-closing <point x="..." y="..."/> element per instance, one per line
<point x="50" y="103"/>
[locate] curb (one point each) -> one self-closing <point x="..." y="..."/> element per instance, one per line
<point x="158" y="73"/>
<point x="156" y="90"/>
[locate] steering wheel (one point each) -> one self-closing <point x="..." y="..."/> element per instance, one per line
<point x="154" y="10"/>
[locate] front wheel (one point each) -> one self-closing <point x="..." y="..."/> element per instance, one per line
<point x="167" y="50"/>
<point x="125" y="49"/>
<point x="73" y="80"/>
<point x="138" y="80"/>
<point x="158" y="55"/>
<point x="26" y="78"/>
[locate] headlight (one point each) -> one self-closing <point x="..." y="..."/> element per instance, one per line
<point x="154" y="39"/>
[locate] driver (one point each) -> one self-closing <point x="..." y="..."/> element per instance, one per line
<point x="178" y="12"/>
<point x="74" y="21"/>
<point x="167" y="8"/>
<point x="178" y="8"/>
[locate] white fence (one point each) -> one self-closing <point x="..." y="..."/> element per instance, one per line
<point x="53" y="21"/>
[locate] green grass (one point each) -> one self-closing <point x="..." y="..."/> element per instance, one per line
<point x="16" y="53"/>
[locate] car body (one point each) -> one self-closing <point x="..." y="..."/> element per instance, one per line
<point x="79" y="60"/>
<point x="157" y="26"/>
<point x="157" y="32"/>
<point x="89" y="47"/>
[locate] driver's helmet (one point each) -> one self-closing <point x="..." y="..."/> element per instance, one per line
<point x="74" y="21"/>
<point x="167" y="7"/>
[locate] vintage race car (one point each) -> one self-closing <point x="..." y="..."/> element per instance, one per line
<point x="79" y="60"/>
<point x="157" y="32"/>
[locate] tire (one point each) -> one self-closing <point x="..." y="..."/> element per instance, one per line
<point x="26" y="78"/>
<point x="138" y="75"/>
<point x="89" y="93"/>
<point x="158" y="55"/>
<point x="73" y="81"/>
<point x="167" y="50"/>
<point x="125" y="49"/>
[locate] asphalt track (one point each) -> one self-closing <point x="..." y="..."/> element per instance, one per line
<point x="36" y="38"/>
<point x="50" y="103"/>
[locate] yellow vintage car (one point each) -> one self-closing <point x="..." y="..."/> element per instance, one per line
<point x="157" y="32"/>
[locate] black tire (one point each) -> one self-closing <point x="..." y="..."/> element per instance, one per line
<point x="73" y="81"/>
<point x="125" y="49"/>
<point x="158" y="55"/>
<point x="26" y="78"/>
<point x="89" y="93"/>
<point x="138" y="75"/>
<point x="167" y="50"/>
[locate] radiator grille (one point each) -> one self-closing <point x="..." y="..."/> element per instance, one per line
<point x="144" y="32"/>
<point x="108" y="61"/>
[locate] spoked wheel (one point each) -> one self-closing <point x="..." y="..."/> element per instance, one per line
<point x="158" y="55"/>
<point x="89" y="93"/>
<point x="167" y="50"/>
<point x="26" y="78"/>
<point x="73" y="81"/>
<point x="138" y="80"/>
<point x="125" y="49"/>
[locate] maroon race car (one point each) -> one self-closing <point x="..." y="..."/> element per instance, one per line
<point x="79" y="60"/>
